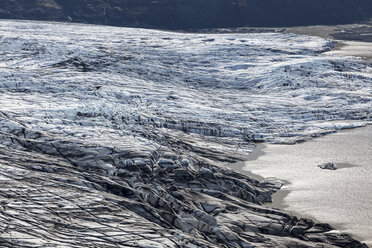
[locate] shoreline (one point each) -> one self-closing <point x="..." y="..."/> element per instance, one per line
<point x="362" y="50"/>
<point x="280" y="197"/>
<point x="352" y="39"/>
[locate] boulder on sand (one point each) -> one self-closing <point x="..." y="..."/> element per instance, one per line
<point x="328" y="166"/>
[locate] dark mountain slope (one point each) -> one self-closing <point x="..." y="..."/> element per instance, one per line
<point x="183" y="14"/>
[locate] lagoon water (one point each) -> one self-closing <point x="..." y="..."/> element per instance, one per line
<point x="342" y="198"/>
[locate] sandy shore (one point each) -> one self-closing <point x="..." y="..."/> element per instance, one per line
<point x="354" y="48"/>
<point x="340" y="198"/>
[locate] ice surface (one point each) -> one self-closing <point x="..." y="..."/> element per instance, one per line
<point x="122" y="111"/>
<point x="273" y="87"/>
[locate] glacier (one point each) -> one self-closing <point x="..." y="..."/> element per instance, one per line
<point x="121" y="137"/>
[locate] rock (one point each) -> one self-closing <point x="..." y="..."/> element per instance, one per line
<point x="328" y="166"/>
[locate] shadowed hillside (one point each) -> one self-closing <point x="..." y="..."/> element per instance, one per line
<point x="183" y="14"/>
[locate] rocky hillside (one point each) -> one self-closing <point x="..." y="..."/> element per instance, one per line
<point x="182" y="14"/>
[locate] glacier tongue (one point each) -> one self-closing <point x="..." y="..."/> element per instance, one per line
<point x="134" y="122"/>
